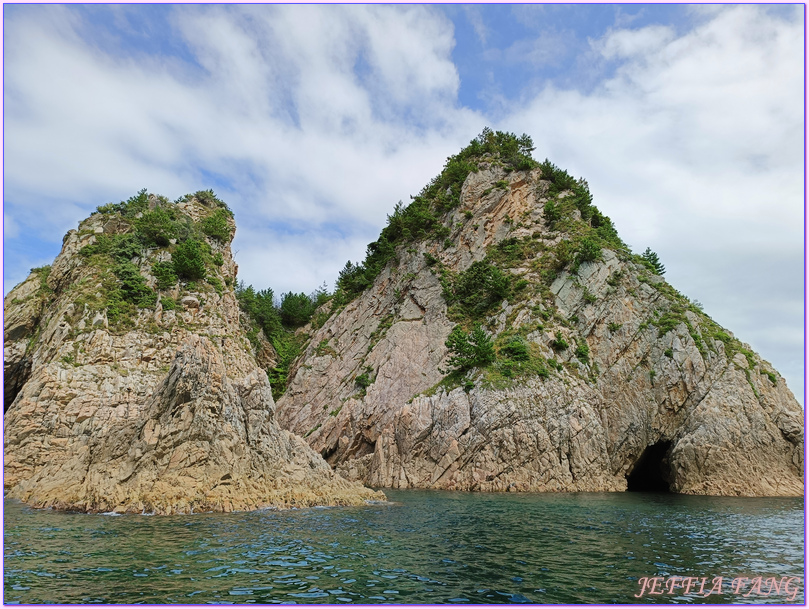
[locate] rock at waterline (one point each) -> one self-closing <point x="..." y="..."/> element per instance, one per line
<point x="130" y="389"/>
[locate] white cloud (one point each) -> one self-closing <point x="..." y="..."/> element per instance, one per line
<point x="545" y="49"/>
<point x="634" y="44"/>
<point x="275" y="105"/>
<point x="319" y="118"/>
<point x="695" y="148"/>
<point x="10" y="227"/>
<point x="476" y="21"/>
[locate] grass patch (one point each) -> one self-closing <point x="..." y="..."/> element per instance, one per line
<point x="559" y="344"/>
<point x="323" y="348"/>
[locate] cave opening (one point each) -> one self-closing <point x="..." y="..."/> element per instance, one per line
<point x="15" y="375"/>
<point x="651" y="473"/>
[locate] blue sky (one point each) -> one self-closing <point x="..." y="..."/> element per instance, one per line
<point x="313" y="121"/>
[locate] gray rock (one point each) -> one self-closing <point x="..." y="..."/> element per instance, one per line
<point x="647" y="392"/>
<point x="158" y="416"/>
<point x="190" y="302"/>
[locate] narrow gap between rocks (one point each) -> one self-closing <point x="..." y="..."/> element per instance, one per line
<point x="651" y="473"/>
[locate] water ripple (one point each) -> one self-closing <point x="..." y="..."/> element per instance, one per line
<point x="423" y="547"/>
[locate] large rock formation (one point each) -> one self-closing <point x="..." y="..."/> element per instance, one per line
<point x="605" y="376"/>
<point x="129" y="389"/>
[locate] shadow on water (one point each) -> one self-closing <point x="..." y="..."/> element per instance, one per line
<point x="425" y="547"/>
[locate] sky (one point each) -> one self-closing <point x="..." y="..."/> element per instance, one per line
<point x="311" y="122"/>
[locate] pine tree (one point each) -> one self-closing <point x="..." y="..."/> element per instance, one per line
<point x="469" y="350"/>
<point x="653" y="262"/>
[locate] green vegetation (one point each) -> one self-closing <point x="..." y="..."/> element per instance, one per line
<point x="469" y="350"/>
<point x="703" y="330"/>
<point x="323" y="348"/>
<point x="364" y="380"/>
<point x="261" y="309"/>
<point x="589" y="250"/>
<point x="168" y="303"/>
<point x="552" y="214"/>
<point x="43" y="272"/>
<point x="288" y="346"/>
<point x="472" y="293"/>
<point x="296" y="309"/>
<point x="120" y="247"/>
<point x="517" y="358"/>
<point x="582" y="352"/>
<point x="559" y="343"/>
<point x="670" y="319"/>
<point x="579" y="198"/>
<point x="278" y="321"/>
<point x="511" y="252"/>
<point x="123" y="289"/>
<point x="128" y="209"/>
<point x="213" y="280"/>
<point x="165" y="275"/>
<point x="381" y="330"/>
<point x="496" y="362"/>
<point x="217" y="227"/>
<point x="771" y="376"/>
<point x="157" y="227"/>
<point x="516" y="349"/>
<point x="133" y="227"/>
<point x="208" y="198"/>
<point x="651" y="261"/>
<point x="615" y="279"/>
<point x="133" y="285"/>
<point x="423" y="218"/>
<point x="189" y="260"/>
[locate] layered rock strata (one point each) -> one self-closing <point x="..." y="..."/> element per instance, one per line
<point x="633" y="386"/>
<point x="157" y="408"/>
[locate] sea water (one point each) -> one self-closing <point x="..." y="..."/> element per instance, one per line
<point x="421" y="547"/>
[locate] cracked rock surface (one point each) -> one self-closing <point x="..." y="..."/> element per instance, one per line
<point x="170" y="415"/>
<point x="726" y="421"/>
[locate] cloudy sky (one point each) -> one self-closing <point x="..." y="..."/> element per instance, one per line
<point x="313" y="121"/>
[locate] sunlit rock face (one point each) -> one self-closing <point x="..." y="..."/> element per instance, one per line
<point x="154" y="405"/>
<point x="620" y="378"/>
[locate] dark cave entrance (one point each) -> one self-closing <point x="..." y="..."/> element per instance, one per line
<point x="15" y="375"/>
<point x="651" y="471"/>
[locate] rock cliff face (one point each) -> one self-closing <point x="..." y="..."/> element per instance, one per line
<point x="605" y="377"/>
<point x="129" y="388"/>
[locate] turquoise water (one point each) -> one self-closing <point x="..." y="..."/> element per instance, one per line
<point x="423" y="547"/>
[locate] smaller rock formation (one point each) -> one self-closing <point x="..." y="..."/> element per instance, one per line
<point x="131" y="388"/>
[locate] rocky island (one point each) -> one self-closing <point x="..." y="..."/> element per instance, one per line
<point x="499" y="336"/>
<point x="130" y="385"/>
<point x="577" y="367"/>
